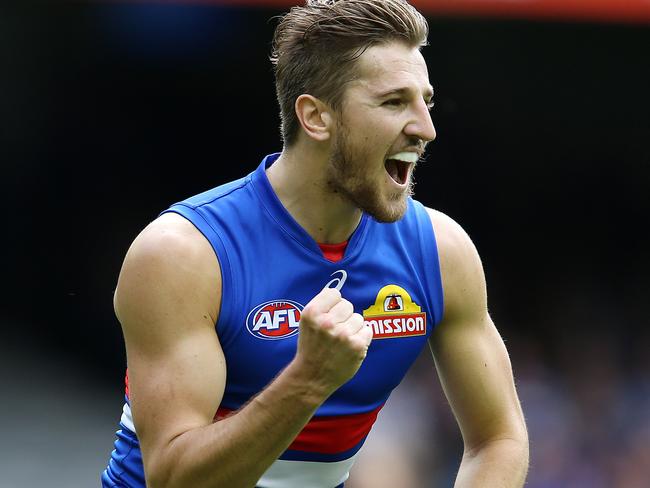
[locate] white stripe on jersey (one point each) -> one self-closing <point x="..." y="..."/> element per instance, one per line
<point x="305" y="474"/>
<point x="287" y="474"/>
<point x="127" y="419"/>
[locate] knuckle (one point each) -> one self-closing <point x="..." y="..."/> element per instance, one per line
<point x="342" y="337"/>
<point x="306" y="316"/>
<point x="327" y="322"/>
<point x="356" y="321"/>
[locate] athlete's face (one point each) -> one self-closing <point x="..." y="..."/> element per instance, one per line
<point x="382" y="128"/>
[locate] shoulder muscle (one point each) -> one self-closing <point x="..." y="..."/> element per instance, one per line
<point x="460" y="266"/>
<point x="169" y="269"/>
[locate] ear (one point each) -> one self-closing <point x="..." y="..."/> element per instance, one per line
<point x="315" y="117"/>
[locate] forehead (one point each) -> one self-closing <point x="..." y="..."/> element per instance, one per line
<point x="392" y="66"/>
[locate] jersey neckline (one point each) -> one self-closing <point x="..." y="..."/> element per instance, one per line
<point x="285" y="220"/>
<point x="334" y="252"/>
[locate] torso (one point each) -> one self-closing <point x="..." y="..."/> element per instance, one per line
<point x="271" y="268"/>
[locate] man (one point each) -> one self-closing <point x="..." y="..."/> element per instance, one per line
<point x="266" y="321"/>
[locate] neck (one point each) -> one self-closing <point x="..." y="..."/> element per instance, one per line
<point x="298" y="178"/>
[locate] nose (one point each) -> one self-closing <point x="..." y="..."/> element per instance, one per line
<point x="421" y="125"/>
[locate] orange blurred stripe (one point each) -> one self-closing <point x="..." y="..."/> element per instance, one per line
<point x="598" y="10"/>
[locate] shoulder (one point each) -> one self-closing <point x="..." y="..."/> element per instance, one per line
<point x="171" y="239"/>
<point x="218" y="194"/>
<point x="169" y="262"/>
<point x="460" y="266"/>
<point x="454" y="244"/>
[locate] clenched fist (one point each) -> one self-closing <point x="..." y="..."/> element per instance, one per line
<point x="333" y="340"/>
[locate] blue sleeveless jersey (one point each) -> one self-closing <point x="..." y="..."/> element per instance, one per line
<point x="270" y="269"/>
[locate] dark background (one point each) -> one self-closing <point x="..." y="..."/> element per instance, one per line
<point x="110" y="113"/>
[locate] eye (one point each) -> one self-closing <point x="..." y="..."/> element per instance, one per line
<point x="393" y="102"/>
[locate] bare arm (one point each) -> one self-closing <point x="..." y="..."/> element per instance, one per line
<point x="167" y="300"/>
<point x="475" y="369"/>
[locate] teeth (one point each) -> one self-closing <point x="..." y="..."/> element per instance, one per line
<point x="407" y="157"/>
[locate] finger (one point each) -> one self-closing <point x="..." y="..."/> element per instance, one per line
<point x="355" y="323"/>
<point x="323" y="302"/>
<point x="350" y="327"/>
<point x="366" y="333"/>
<point x="340" y="312"/>
<point x="362" y="340"/>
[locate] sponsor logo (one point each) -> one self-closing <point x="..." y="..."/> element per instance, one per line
<point x="277" y="319"/>
<point x="395" y="314"/>
<point x="393" y="303"/>
<point x="338" y="281"/>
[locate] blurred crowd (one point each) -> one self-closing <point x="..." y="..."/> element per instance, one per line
<point x="587" y="407"/>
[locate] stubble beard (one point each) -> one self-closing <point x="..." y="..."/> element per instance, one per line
<point x="347" y="177"/>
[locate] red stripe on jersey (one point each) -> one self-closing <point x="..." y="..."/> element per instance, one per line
<point x="126" y="382"/>
<point x="330" y="434"/>
<point x="333" y="252"/>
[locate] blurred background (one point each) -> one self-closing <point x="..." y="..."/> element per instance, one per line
<point x="112" y="111"/>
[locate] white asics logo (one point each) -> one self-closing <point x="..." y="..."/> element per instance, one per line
<point x="338" y="281"/>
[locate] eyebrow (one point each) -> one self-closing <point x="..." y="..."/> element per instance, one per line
<point x="403" y="91"/>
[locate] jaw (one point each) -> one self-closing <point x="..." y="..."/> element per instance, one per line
<point x="380" y="196"/>
<point x="370" y="182"/>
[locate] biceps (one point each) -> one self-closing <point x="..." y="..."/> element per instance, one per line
<point x="177" y="391"/>
<point x="476" y="374"/>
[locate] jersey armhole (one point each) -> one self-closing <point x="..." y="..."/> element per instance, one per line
<point x="227" y="277"/>
<point x="430" y="260"/>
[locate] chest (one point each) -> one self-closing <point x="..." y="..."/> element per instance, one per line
<point x="384" y="284"/>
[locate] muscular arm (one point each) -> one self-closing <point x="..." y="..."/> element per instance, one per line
<point x="475" y="370"/>
<point x="167" y="301"/>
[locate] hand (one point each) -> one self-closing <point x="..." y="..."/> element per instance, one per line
<point x="333" y="340"/>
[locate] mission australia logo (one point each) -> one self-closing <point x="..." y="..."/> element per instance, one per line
<point x="395" y="314"/>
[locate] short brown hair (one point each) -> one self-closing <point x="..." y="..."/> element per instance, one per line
<point x="315" y="48"/>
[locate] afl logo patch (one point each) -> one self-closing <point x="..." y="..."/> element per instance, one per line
<point x="277" y="319"/>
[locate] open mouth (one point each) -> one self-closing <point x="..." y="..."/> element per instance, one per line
<point x="397" y="170"/>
